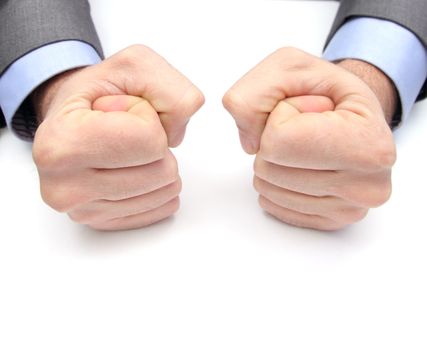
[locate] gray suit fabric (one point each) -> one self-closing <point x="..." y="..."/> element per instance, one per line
<point x="411" y="14"/>
<point x="28" y="24"/>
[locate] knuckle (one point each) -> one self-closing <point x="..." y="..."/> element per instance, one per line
<point x="320" y="223"/>
<point x="84" y="216"/>
<point x="103" y="226"/>
<point x="293" y="55"/>
<point x="177" y="187"/>
<point x="330" y="226"/>
<point x="233" y="101"/>
<point x="385" y="155"/>
<point x="42" y="156"/>
<point x="350" y="215"/>
<point x="53" y="160"/>
<point x="289" y="51"/>
<point x="174" y="205"/>
<point x="259" y="167"/>
<point x="380" y="195"/>
<point x="358" y="215"/>
<point x="61" y="199"/>
<point x="51" y="153"/>
<point x="133" y="54"/>
<point x="381" y="156"/>
<point x="258" y="184"/>
<point x="372" y="196"/>
<point x="170" y="169"/>
<point x="47" y="157"/>
<point x="193" y="100"/>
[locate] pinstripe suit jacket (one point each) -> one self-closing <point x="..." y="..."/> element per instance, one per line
<point x="28" y="24"/>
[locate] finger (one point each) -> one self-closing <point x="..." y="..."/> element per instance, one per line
<point x="139" y="220"/>
<point x="66" y="192"/>
<point x="310" y="104"/>
<point x="317" y="183"/>
<point x="123" y="183"/>
<point x="136" y="71"/>
<point x="324" y="141"/>
<point x="132" y="104"/>
<point x="97" y="139"/>
<point x="299" y="219"/>
<point x="121" y="103"/>
<point x="360" y="189"/>
<point x="142" y="72"/>
<point x="330" y="207"/>
<point x="288" y="73"/>
<point x="104" y="210"/>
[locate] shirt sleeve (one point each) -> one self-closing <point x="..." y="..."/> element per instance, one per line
<point x="28" y="72"/>
<point x="390" y="47"/>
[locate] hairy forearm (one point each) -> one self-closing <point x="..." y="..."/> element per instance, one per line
<point x="43" y="95"/>
<point x="379" y="83"/>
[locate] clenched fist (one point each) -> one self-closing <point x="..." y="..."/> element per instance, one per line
<point x="324" y="150"/>
<point x="102" y="147"/>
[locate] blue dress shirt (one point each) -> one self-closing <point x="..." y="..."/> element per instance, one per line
<point x="390" y="47"/>
<point x="36" y="67"/>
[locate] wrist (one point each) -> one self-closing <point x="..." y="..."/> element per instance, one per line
<point x="378" y="82"/>
<point x="43" y="96"/>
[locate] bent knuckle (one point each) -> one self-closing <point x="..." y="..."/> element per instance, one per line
<point x="47" y="157"/>
<point x="289" y="51"/>
<point x="61" y="199"/>
<point x="233" y="101"/>
<point x="380" y="156"/>
<point x="174" y="205"/>
<point x="132" y="55"/>
<point x="85" y="216"/>
<point x="170" y="169"/>
<point x="192" y="101"/>
<point x="54" y="154"/>
<point x="176" y="187"/>
<point x="260" y="168"/>
<point x="370" y="196"/>
<point x="292" y="57"/>
<point x="385" y="155"/>
<point x="256" y="184"/>
<point x="350" y="215"/>
<point x="380" y="195"/>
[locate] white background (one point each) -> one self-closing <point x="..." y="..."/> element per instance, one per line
<point x="221" y="274"/>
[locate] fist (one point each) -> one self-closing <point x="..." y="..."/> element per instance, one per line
<point x="102" y="147"/>
<point x="324" y="151"/>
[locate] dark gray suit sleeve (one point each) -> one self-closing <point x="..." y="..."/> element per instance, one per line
<point x="26" y="25"/>
<point x="411" y="14"/>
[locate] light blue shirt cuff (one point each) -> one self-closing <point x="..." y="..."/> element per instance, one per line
<point x="36" y="67"/>
<point x="390" y="47"/>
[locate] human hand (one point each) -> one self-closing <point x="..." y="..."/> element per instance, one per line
<point x="324" y="149"/>
<point x="102" y="147"/>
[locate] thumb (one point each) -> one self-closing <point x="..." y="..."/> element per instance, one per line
<point x="124" y="103"/>
<point x="311" y="104"/>
<point x="288" y="73"/>
<point x="142" y="72"/>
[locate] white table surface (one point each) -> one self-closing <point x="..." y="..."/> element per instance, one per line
<point x="221" y="274"/>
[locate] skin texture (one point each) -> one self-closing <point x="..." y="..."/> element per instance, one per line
<point x="324" y="150"/>
<point x="102" y="148"/>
